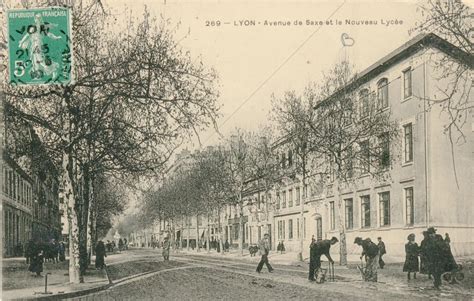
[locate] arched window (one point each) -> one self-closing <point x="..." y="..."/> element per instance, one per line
<point x="382" y="93"/>
<point x="364" y="103"/>
<point x="347" y="111"/>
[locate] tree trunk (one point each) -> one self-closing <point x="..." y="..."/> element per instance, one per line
<point x="67" y="195"/>
<point x="90" y="222"/>
<point x="181" y="234"/>
<point x="83" y="178"/>
<point x="301" y="225"/>
<point x="342" y="229"/>
<point x="208" y="233"/>
<point x="197" y="233"/>
<point x="219" y="227"/>
<point x="241" y="224"/>
<point x="189" y="234"/>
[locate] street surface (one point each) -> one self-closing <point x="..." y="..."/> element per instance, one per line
<point x="197" y="277"/>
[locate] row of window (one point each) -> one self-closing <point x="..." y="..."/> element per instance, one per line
<point x="17" y="229"/>
<point x="282" y="233"/>
<point x="16" y="187"/>
<point x="294" y="197"/>
<point x="384" y="213"/>
<point x="383" y="95"/>
<point x="383" y="154"/>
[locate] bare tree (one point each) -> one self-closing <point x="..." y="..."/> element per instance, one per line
<point x="135" y="98"/>
<point x="215" y="185"/>
<point x="240" y="170"/>
<point x="291" y="114"/>
<point x="347" y="142"/>
<point x="266" y="170"/>
<point x="452" y="21"/>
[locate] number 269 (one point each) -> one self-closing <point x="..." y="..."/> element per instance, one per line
<point x="213" y="23"/>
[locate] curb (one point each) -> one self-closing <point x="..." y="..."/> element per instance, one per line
<point x="70" y="294"/>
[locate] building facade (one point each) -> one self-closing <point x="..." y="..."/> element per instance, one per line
<point x="427" y="177"/>
<point x="430" y="181"/>
<point x="29" y="193"/>
<point x="30" y="207"/>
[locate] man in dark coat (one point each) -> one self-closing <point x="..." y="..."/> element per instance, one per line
<point x="382" y="251"/>
<point x="100" y="255"/>
<point x="424" y="265"/>
<point x="316" y="250"/>
<point x="371" y="253"/>
<point x="37" y="259"/>
<point x="439" y="256"/>
<point x="264" y="246"/>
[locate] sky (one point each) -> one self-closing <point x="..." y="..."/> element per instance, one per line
<point x="256" y="61"/>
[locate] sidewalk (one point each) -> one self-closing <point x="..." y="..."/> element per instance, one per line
<point x="19" y="283"/>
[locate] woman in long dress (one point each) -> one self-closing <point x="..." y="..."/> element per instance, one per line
<point x="411" y="260"/>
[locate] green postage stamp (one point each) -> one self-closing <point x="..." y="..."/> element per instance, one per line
<point x="39" y="44"/>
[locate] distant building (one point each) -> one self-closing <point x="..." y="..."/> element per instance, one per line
<point x="30" y="202"/>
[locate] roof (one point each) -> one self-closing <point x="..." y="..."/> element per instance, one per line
<point x="412" y="46"/>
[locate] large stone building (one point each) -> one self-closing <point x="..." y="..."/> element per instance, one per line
<point x="430" y="182"/>
<point x="429" y="178"/>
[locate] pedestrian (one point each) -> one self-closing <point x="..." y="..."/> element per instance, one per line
<point x="436" y="256"/>
<point x="382" y="251"/>
<point x="166" y="248"/>
<point x="424" y="266"/>
<point x="281" y="247"/>
<point x="37" y="259"/>
<point x="316" y="250"/>
<point x="264" y="246"/>
<point x="100" y="255"/>
<point x="125" y="243"/>
<point x="120" y="245"/>
<point x="371" y="253"/>
<point x="226" y="245"/>
<point x="62" y="251"/>
<point x="411" y="257"/>
<point x="56" y="251"/>
<point x="447" y="239"/>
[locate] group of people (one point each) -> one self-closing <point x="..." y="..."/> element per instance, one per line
<point x="434" y="253"/>
<point x="281" y="247"/>
<point x="122" y="244"/>
<point x="37" y="252"/>
<point x="432" y="257"/>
